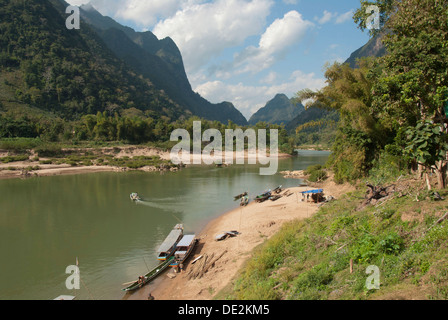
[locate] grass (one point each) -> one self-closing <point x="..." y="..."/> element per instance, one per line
<point x="310" y="259"/>
<point x="19" y="145"/>
<point x="10" y="159"/>
<point x="56" y="153"/>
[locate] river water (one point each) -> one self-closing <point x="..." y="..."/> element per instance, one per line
<point x="47" y="223"/>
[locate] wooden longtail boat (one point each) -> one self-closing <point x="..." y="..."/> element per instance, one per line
<point x="149" y="276"/>
<point x="278" y="190"/>
<point x="240" y="196"/>
<point x="167" y="248"/>
<point x="184" y="249"/>
<point x="263" y="197"/>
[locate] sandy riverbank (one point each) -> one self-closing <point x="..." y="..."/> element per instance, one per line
<point x="22" y="169"/>
<point x="256" y="223"/>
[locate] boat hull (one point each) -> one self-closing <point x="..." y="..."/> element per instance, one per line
<point x="149" y="276"/>
<point x="175" y="263"/>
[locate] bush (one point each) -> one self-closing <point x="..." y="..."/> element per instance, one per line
<point x="317" y="176"/>
<point x="19" y="144"/>
<point x="313" y="168"/>
<point x="49" y="150"/>
<point x="316" y="173"/>
<point x="10" y="159"/>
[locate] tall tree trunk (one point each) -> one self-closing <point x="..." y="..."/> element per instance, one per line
<point x="421" y="170"/>
<point x="428" y="183"/>
<point x="440" y="169"/>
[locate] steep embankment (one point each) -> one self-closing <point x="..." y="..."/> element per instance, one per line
<point x="404" y="236"/>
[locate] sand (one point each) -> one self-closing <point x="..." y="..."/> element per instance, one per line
<point x="256" y="223"/>
<point x="118" y="152"/>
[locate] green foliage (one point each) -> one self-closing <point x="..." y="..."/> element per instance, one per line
<point x="19" y="144"/>
<point x="427" y="143"/>
<point x="387" y="165"/>
<point x="311" y="259"/>
<point x="352" y="154"/>
<point x="413" y="85"/>
<point x="391" y="244"/>
<point x="69" y="73"/>
<point x="361" y="15"/>
<point x="316" y="173"/>
<point x="359" y="136"/>
<point x="9" y="159"/>
<point x="49" y="150"/>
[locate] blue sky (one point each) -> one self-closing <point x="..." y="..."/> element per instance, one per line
<point x="247" y="51"/>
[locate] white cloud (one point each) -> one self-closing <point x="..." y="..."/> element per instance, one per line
<point x="203" y="31"/>
<point x="144" y="14"/>
<point x="249" y="99"/>
<point x="344" y="17"/>
<point x="327" y="16"/>
<point x="291" y="1"/>
<point x="281" y="35"/>
<point x="334" y="16"/>
<point x="270" y="78"/>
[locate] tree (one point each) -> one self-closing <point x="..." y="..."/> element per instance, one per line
<point x="349" y="91"/>
<point x="361" y="15"/>
<point x="428" y="144"/>
<point x="413" y="84"/>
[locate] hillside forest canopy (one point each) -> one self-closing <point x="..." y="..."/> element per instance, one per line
<point x="393" y="109"/>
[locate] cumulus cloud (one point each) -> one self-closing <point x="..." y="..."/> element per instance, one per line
<point x="144" y="14"/>
<point x="249" y="98"/>
<point x="203" y="31"/>
<point x="280" y="36"/>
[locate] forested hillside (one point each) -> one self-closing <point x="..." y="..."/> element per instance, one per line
<point x="67" y="72"/>
<point x="279" y="110"/>
<point x="161" y="62"/>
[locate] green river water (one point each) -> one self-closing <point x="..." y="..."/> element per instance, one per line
<point x="47" y="222"/>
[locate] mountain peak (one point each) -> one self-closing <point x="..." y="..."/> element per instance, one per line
<point x="159" y="61"/>
<point x="277" y="111"/>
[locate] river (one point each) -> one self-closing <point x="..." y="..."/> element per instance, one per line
<point x="47" y="223"/>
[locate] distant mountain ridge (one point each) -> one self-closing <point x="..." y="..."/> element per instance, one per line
<point x="161" y="62"/>
<point x="373" y="48"/>
<point x="279" y="110"/>
<point x="68" y="73"/>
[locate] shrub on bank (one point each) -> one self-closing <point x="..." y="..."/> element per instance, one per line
<point x="19" y="144"/>
<point x="316" y="173"/>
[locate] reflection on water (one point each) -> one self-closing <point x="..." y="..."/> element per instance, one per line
<point x="45" y="223"/>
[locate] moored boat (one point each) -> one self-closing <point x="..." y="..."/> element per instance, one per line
<point x="183" y="249"/>
<point x="278" y="189"/>
<point x="149" y="276"/>
<point x="240" y="196"/>
<point x="167" y="248"/>
<point x="263" y="197"/>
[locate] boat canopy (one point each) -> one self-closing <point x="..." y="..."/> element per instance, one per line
<point x="186" y="241"/>
<point x="313" y="191"/>
<point x="170" y="241"/>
